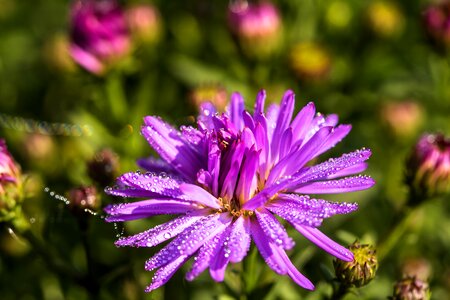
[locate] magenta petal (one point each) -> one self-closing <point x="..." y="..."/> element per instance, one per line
<point x="259" y="103"/>
<point x="236" y="108"/>
<point x="190" y="240"/>
<point x="273" y="229"/>
<point x="162" y="232"/>
<point x="298" y="277"/>
<point x="221" y="258"/>
<point x="152" y="164"/>
<point x="324" y="242"/>
<point x="205" y="254"/>
<point x="147" y="208"/>
<point x="336" y="135"/>
<point x="172" y="147"/>
<point x="165" y="273"/>
<point x="344" y="185"/>
<point x="302" y="121"/>
<point x="159" y="185"/>
<point x="267" y="249"/>
<point x="283" y="120"/>
<point x="358" y="168"/>
<point x="196" y="193"/>
<point x="239" y="241"/>
<point x="306" y="211"/>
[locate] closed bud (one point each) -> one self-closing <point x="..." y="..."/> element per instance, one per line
<point x="411" y="288"/>
<point x="257" y="26"/>
<point x="402" y="118"/>
<point x="83" y="198"/>
<point x="361" y="270"/>
<point x="10" y="184"/>
<point x="428" y="170"/>
<point x="103" y="168"/>
<point x="144" y="23"/>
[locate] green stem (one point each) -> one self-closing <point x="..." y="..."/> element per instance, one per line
<point x="398" y="229"/>
<point x="340" y="292"/>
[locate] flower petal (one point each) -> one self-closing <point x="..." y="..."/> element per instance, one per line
<point x="239" y="241"/>
<point x="205" y="254"/>
<point x="161" y="233"/>
<point x="147" y="208"/>
<point x="344" y="185"/>
<point x="172" y="147"/>
<point x="273" y="229"/>
<point x="306" y="211"/>
<point x="267" y="249"/>
<point x="190" y="240"/>
<point x="292" y="271"/>
<point x="324" y="242"/>
<point x="165" y="273"/>
<point x="259" y="103"/>
<point x="195" y="193"/>
<point x="235" y="110"/>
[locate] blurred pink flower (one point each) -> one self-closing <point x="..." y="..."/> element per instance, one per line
<point x="437" y="22"/>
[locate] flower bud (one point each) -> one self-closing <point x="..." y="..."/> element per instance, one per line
<point x="83" y="198"/>
<point x="437" y="19"/>
<point x="144" y="23"/>
<point x="417" y="267"/>
<point x="428" y="170"/>
<point x="103" y="168"/>
<point x="310" y="61"/>
<point x="361" y="270"/>
<point x="403" y="118"/>
<point x="385" y="19"/>
<point x="257" y="25"/>
<point x="411" y="288"/>
<point x="99" y="35"/>
<point x="213" y="93"/>
<point x="10" y="184"/>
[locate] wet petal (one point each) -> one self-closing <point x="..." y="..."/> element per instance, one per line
<point x="344" y="185"/>
<point x="273" y="229"/>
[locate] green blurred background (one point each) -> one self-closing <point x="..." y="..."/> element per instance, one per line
<point x="370" y="62"/>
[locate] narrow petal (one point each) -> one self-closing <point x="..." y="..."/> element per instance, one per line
<point x="172" y="147"/>
<point x="248" y="120"/>
<point x="259" y="103"/>
<point x="330" y="168"/>
<point x="165" y="273"/>
<point x="205" y="254"/>
<point x="298" y="277"/>
<point x="273" y="229"/>
<point x="302" y="121"/>
<point x="190" y="240"/>
<point x="324" y="242"/>
<point x="198" y="194"/>
<point x="204" y="120"/>
<point x="306" y="211"/>
<point x="236" y="109"/>
<point x="267" y="193"/>
<point x="336" y="135"/>
<point x="239" y="242"/>
<point x="267" y="249"/>
<point x="221" y="258"/>
<point x="247" y="179"/>
<point x="283" y="121"/>
<point x="147" y="208"/>
<point x="358" y="168"/>
<point x="344" y="185"/>
<point x="161" y="233"/>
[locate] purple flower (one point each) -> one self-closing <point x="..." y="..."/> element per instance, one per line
<point x="99" y="34"/>
<point x="437" y="22"/>
<point x="9" y="170"/>
<point x="229" y="177"/>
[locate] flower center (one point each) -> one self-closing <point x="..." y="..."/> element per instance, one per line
<point x="233" y="207"/>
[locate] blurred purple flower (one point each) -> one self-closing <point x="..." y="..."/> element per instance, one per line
<point x="99" y="35"/>
<point x="228" y="178"/>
